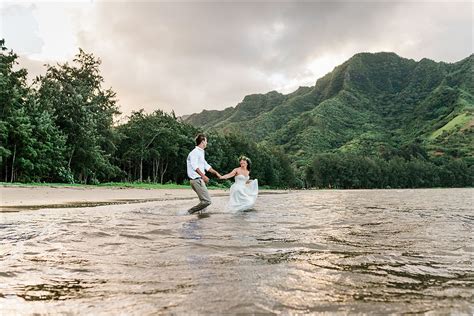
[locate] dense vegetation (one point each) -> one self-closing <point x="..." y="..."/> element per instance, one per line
<point x="370" y="113"/>
<point x="348" y="170"/>
<point x="376" y="121"/>
<point x="61" y="129"/>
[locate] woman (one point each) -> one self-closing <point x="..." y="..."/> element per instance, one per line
<point x="243" y="193"/>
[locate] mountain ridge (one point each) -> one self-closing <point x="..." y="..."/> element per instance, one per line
<point x="371" y="103"/>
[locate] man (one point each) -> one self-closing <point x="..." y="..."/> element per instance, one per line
<point x="196" y="168"/>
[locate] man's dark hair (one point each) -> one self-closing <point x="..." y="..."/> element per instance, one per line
<point x="200" y="138"/>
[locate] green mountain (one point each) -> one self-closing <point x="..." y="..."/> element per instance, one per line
<point x="372" y="104"/>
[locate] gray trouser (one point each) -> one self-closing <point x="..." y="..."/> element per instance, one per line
<point x="199" y="186"/>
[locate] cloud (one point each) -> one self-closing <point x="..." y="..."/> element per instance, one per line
<point x="187" y="56"/>
<point x="19" y="26"/>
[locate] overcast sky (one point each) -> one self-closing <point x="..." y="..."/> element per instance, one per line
<point x="194" y="55"/>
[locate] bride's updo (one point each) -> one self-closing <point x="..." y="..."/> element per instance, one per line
<point x="247" y="159"/>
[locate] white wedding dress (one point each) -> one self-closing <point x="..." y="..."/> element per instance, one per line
<point x="242" y="194"/>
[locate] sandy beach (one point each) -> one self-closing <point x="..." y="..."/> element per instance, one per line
<point x="28" y="197"/>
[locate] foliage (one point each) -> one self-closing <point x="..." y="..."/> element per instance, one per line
<point x="31" y="145"/>
<point x="350" y="171"/>
<point x="153" y="147"/>
<point x="371" y="104"/>
<point x="84" y="113"/>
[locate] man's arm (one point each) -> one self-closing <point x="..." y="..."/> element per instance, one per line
<point x="200" y="172"/>
<point x="209" y="169"/>
<point x="214" y="172"/>
<point x="203" y="176"/>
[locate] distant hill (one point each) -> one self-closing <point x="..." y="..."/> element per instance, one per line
<point x="371" y="104"/>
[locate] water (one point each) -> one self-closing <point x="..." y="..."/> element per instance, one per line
<point x="403" y="251"/>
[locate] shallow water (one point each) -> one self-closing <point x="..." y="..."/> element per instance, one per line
<point x="402" y="251"/>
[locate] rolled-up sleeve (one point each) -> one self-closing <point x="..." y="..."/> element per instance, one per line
<point x="207" y="166"/>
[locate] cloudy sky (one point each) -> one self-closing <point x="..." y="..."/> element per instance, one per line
<point x="195" y="55"/>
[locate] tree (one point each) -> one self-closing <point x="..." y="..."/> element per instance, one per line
<point x="84" y="112"/>
<point x="154" y="146"/>
<point x="31" y="145"/>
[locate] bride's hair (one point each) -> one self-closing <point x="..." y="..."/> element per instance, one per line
<point x="249" y="162"/>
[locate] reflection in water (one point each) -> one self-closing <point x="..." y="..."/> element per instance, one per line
<point x="394" y="251"/>
<point x="59" y="290"/>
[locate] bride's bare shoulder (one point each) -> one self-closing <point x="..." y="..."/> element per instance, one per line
<point x="240" y="171"/>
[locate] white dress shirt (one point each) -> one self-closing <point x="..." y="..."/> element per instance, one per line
<point x="196" y="160"/>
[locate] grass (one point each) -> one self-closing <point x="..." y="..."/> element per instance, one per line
<point x="133" y="185"/>
<point x="459" y="120"/>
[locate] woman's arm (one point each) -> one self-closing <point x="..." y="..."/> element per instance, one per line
<point x="229" y="175"/>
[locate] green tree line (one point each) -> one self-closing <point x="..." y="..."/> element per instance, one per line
<point x="61" y="129"/>
<point x="352" y="171"/>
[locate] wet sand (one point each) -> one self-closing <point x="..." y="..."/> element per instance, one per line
<point x="20" y="198"/>
<point x="17" y="198"/>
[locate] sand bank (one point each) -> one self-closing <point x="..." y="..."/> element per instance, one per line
<point x="13" y="198"/>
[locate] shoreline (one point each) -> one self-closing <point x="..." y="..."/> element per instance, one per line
<point x="14" y="198"/>
<point x="21" y="197"/>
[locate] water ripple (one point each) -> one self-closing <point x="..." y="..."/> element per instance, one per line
<point x="363" y="252"/>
